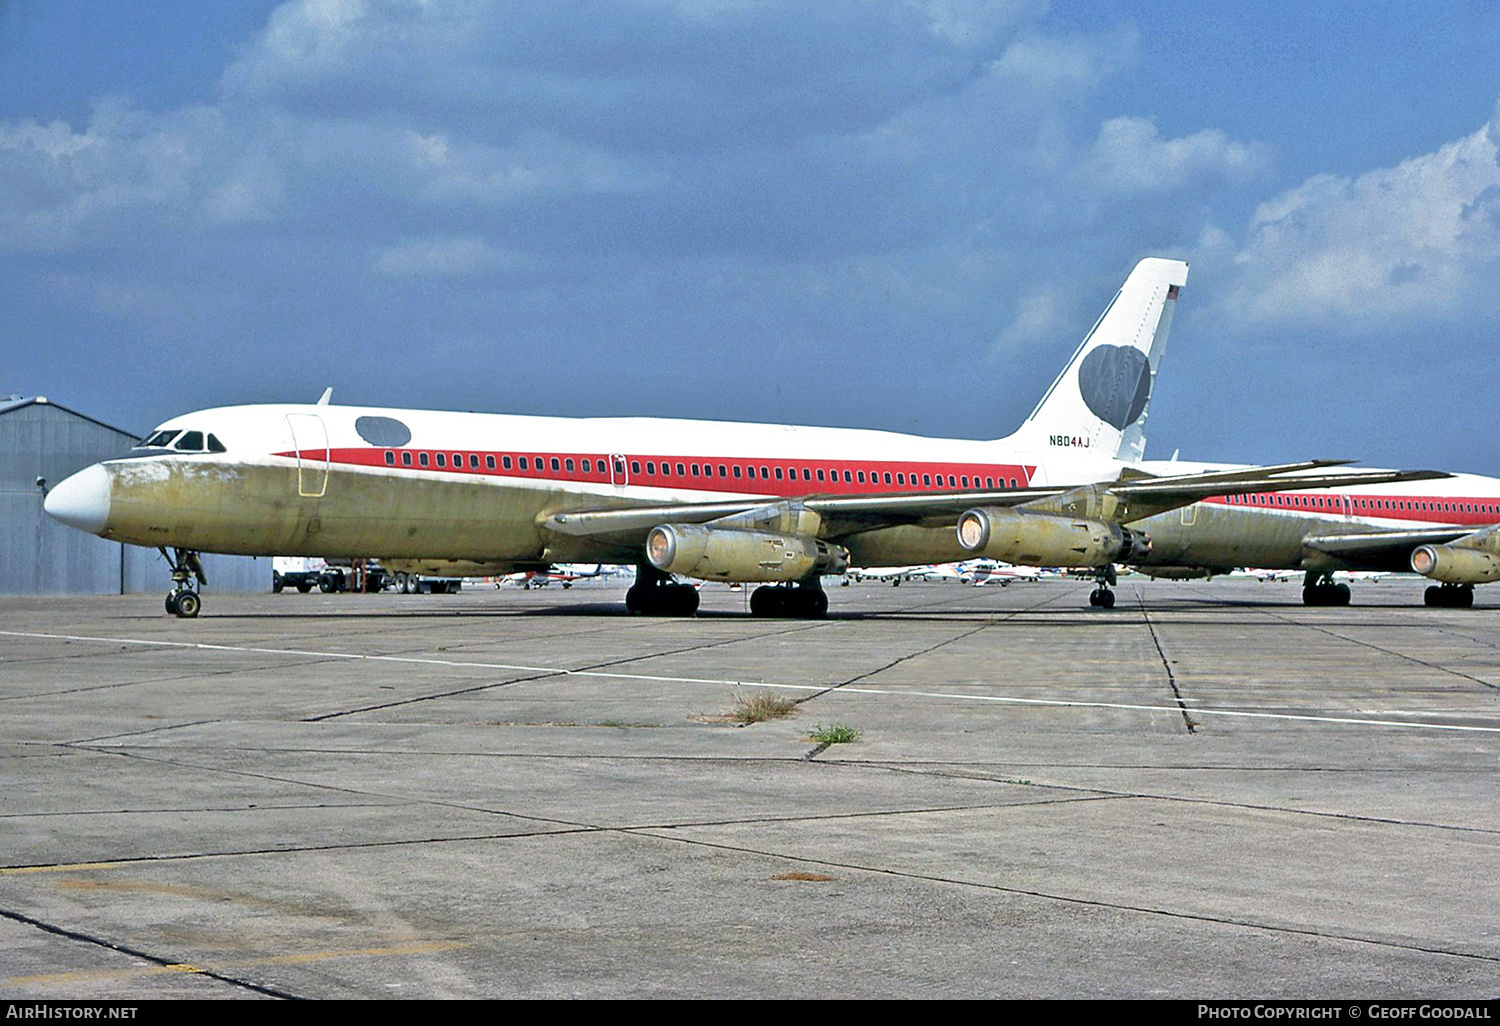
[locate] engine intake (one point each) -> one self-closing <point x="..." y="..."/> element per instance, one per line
<point x="1041" y="539"/>
<point x="733" y="554"/>
<point x="1453" y="565"/>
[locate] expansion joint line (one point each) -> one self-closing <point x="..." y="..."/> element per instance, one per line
<point x="986" y="625"/>
<point x="153" y="959"/>
<point x="1187" y="719"/>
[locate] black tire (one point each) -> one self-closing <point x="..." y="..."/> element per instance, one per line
<point x="172" y="603"/>
<point x="1107" y="600"/>
<point x="1433" y="596"/>
<point x="1094" y="597"/>
<point x="765" y="601"/>
<point x="188" y="604"/>
<point x="1341" y="595"/>
<point x="304" y="586"/>
<point x="277" y="584"/>
<point x="816" y="606"/>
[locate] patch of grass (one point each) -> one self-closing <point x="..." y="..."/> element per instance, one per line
<point x="762" y="706"/>
<point x="834" y="734"/>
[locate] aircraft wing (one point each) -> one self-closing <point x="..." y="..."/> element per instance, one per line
<point x="1375" y="545"/>
<point x="1133" y="497"/>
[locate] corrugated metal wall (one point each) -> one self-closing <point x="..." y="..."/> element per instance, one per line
<point x="39" y="556"/>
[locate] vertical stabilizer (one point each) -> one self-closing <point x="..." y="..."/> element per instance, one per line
<point x="1099" y="401"/>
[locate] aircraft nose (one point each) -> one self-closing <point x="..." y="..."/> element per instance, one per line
<point x="81" y="501"/>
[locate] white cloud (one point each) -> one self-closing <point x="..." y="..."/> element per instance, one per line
<point x="1413" y="242"/>
<point x="1039" y="318"/>
<point x="443" y="257"/>
<point x="1130" y="156"/>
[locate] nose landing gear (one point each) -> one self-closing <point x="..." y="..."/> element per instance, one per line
<point x="187" y="574"/>
<point x="1101" y="596"/>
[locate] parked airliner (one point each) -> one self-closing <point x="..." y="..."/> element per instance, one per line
<point x="482" y="494"/>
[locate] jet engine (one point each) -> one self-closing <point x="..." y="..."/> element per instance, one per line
<point x="733" y="554"/>
<point x="1453" y="565"/>
<point x="1040" y="539"/>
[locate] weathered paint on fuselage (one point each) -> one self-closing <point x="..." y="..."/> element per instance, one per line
<point x="339" y="494"/>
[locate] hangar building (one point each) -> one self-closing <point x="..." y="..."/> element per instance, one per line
<point x="40" y="444"/>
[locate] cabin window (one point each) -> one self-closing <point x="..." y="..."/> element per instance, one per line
<point x="723" y="470"/>
<point x="569" y="464"/>
<point x="820" y="474"/>
<point x="473" y="461"/>
<point x="406" y="459"/>
<point x="926" y="480"/>
<point x="489" y="462"/>
<point x="522" y="461"/>
<point x="650" y="467"/>
<point x="1012" y="482"/>
<point x="807" y="474"/>
<point x="694" y="469"/>
<point x="848" y="476"/>
<point x="778" y="473"/>
<point x="556" y="464"/>
<point x="422" y="459"/>
<point x="458" y="461"/>
<point x="442" y="460"/>
<point x="214" y="445"/>
<point x="736" y="470"/>
<point x="390" y="458"/>
<point x="160" y="440"/>
<point x="635" y="466"/>
<point x="505" y="462"/>
<point x="588" y="466"/>
<point x="765" y="473"/>
<point x="964" y="480"/>
<point x="887" y="477"/>
<point x="901" y="477"/>
<point x="191" y="441"/>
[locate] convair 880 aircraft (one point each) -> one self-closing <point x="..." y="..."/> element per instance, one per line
<point x="481" y="494"/>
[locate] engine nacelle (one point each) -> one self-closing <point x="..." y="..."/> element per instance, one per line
<point x="732" y="554"/>
<point x="1041" y="539"/>
<point x="1453" y="565"/>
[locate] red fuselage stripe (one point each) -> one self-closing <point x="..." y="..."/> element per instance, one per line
<point x="1445" y="509"/>
<point x="778" y="476"/>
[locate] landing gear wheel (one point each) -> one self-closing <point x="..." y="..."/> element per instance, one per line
<point x="1101" y="596"/>
<point x="1450" y="596"/>
<point x="185" y="604"/>
<point x="663" y="599"/>
<point x="182" y="600"/>
<point x="802" y="602"/>
<point x="1320" y="590"/>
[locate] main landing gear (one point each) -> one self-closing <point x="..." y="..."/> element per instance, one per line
<point x="187" y="573"/>
<point x="1318" y="589"/>
<point x="656" y="594"/>
<point x="805" y="600"/>
<point x="1101" y="596"/>
<point x="1450" y="596"/>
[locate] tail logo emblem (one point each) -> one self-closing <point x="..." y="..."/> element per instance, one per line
<point x="1116" y="383"/>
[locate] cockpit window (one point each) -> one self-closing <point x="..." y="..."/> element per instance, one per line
<point x="160" y="440"/>
<point x="191" y="441"/>
<point x="214" y="445"/>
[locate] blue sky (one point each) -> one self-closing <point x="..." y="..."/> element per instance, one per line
<point x="881" y="213"/>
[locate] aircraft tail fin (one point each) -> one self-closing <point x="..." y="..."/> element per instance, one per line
<point x="1099" y="401"/>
